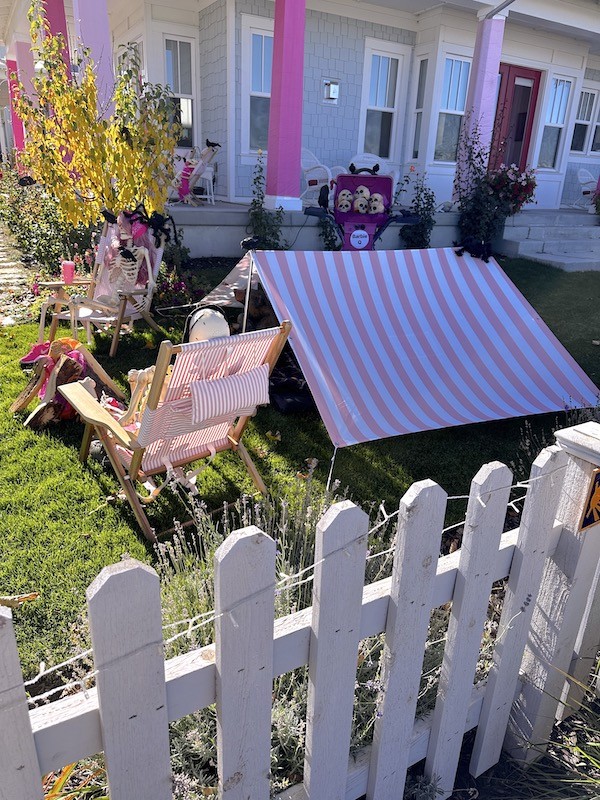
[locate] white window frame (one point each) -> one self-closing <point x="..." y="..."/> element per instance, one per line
<point x="592" y="124"/>
<point x="402" y="52"/>
<point x="566" y="126"/>
<point x="176" y="37"/>
<point x="418" y="137"/>
<point x="250" y="25"/>
<point x="445" y="109"/>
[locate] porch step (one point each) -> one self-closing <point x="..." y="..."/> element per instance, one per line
<point x="566" y="238"/>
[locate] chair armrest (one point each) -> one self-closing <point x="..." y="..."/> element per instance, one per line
<point x="312" y="173"/>
<point x="90" y="411"/>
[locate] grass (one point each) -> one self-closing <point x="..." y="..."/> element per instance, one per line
<point x="58" y="530"/>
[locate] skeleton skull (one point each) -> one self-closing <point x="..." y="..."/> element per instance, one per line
<point x="376" y="206"/>
<point x="377" y="196"/>
<point x="344" y="205"/>
<point x="362" y="191"/>
<point x="345" y="194"/>
<point x="361" y="205"/>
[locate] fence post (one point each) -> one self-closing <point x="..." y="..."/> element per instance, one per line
<point x="245" y="612"/>
<point x="125" y="623"/>
<point x="523" y="585"/>
<point x="566" y="584"/>
<point x="19" y="766"/>
<point x="340" y="552"/>
<point x="486" y="512"/>
<point x="420" y="524"/>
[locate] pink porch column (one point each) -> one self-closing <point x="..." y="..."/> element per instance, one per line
<point x="25" y="65"/>
<point x="483" y="84"/>
<point x="93" y="30"/>
<point x="17" y="124"/>
<point x="57" y="20"/>
<point x="285" y="116"/>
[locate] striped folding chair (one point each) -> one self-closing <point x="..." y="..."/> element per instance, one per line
<point x="198" y="403"/>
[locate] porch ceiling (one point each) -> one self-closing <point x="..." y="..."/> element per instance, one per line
<point x="14" y="13"/>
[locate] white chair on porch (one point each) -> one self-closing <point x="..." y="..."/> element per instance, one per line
<point x="316" y="175"/>
<point x="588" y="185"/>
<point x="386" y="167"/>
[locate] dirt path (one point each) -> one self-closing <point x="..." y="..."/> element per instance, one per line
<point x="15" y="283"/>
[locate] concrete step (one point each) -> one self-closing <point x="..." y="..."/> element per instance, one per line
<point x="567" y="263"/>
<point x="567" y="217"/>
<point x="525" y="247"/>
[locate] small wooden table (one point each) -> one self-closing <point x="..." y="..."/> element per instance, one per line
<point x="58" y="287"/>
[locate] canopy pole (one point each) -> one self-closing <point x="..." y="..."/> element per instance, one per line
<point x="247" y="298"/>
<point x="335" y="449"/>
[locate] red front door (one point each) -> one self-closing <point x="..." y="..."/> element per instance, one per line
<point x="517" y="97"/>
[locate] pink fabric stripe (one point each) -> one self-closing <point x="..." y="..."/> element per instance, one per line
<point x="392" y="302"/>
<point x="474" y="372"/>
<point x="371" y="332"/>
<point x="547" y="346"/>
<point x="506" y="377"/>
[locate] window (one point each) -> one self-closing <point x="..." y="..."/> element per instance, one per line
<point x="419" y="106"/>
<point x="586" y="134"/>
<point x="257" y="63"/>
<point x="452" y="108"/>
<point x="179" y="72"/>
<point x="260" y="90"/>
<point x="556" y="113"/>
<point x="381" y="105"/>
<point x="384" y="89"/>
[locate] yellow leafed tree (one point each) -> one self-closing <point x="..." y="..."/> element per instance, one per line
<point x="87" y="160"/>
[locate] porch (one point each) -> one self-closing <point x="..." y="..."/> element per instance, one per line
<point x="567" y="238"/>
<point x="217" y="230"/>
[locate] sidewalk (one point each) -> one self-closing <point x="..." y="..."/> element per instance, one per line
<point x="15" y="283"/>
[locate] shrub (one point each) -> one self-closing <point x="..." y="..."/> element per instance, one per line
<point x="263" y="224"/>
<point x="40" y="232"/>
<point x="419" y="235"/>
<point x="486" y="198"/>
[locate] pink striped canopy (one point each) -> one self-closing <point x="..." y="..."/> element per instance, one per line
<point x="394" y="342"/>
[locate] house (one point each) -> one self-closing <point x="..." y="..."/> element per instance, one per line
<point x="393" y="77"/>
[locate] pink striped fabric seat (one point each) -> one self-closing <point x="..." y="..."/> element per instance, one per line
<point x="177" y="432"/>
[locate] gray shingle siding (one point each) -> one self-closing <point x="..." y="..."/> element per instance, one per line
<point x="334" y="48"/>
<point x="213" y="84"/>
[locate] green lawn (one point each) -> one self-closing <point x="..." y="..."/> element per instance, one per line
<point x="58" y="530"/>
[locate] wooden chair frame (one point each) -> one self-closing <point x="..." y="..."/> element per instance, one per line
<point x="111" y="434"/>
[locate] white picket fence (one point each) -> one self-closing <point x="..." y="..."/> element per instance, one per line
<point x="539" y="641"/>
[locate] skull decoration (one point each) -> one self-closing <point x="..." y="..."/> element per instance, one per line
<point x="377" y="196"/>
<point x="362" y="191"/>
<point x="361" y="205"/>
<point x="343" y="205"/>
<point x="375" y="206"/>
<point x="345" y="194"/>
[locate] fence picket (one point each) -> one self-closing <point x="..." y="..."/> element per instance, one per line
<point x="125" y="623"/>
<point x="418" y="539"/>
<point x="560" y="607"/>
<point x="19" y="768"/>
<point x="586" y="650"/>
<point x="245" y="609"/>
<point x="522" y="589"/>
<point x="486" y="511"/>
<point x="340" y="553"/>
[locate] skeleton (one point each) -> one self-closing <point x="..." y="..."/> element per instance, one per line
<point x="362" y="191"/>
<point x="344" y="205"/>
<point x="345" y="194"/>
<point x="361" y="205"/>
